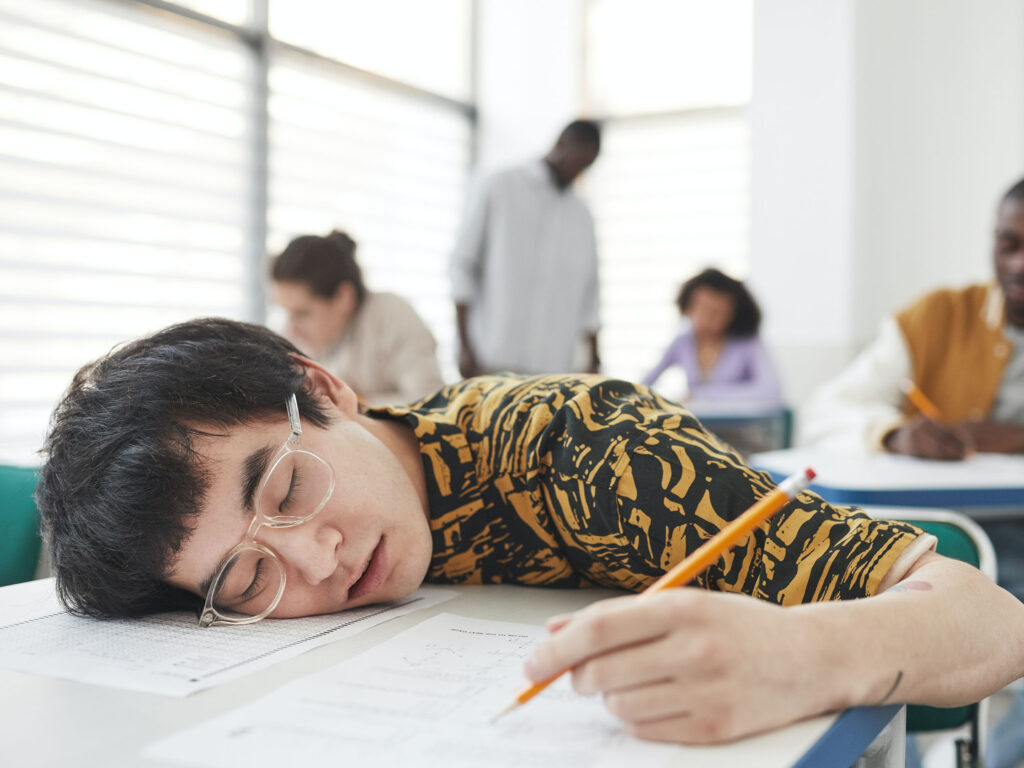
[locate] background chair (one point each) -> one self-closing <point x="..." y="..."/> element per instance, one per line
<point x="748" y="429"/>
<point x="20" y="542"/>
<point x="963" y="539"/>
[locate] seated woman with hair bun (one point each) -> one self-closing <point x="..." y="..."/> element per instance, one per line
<point x="374" y="341"/>
<point x="720" y="352"/>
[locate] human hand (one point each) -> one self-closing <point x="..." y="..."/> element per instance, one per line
<point x="927" y="439"/>
<point x="691" y="666"/>
<point x="993" y="437"/>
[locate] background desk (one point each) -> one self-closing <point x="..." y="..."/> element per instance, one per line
<point x="54" y="722"/>
<point x="748" y="427"/>
<point x="986" y="485"/>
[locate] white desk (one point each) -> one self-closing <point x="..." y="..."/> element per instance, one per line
<point x="986" y="485"/>
<point x="56" y="722"/>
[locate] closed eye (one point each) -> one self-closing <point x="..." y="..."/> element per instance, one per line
<point x="256" y="585"/>
<point x="294" y="486"/>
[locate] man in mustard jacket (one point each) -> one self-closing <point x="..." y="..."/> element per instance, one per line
<point x="964" y="349"/>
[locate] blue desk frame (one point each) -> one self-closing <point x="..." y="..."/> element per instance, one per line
<point x="955" y="498"/>
<point x="851" y="734"/>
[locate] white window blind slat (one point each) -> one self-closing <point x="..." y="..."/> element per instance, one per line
<point x="127" y="162"/>
<point x="103" y="157"/>
<point x="387" y="168"/>
<point x="123" y="188"/>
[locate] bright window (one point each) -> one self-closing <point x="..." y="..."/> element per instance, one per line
<point x="131" y="168"/>
<point x="122" y="176"/>
<point x="425" y="44"/>
<point x="660" y="55"/>
<point x="670" y="191"/>
<point x="386" y="168"/>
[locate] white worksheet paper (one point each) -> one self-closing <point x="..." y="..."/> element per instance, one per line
<point x="168" y="654"/>
<point x="423" y="698"/>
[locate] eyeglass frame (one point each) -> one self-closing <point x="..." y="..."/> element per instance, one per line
<point x="210" y="616"/>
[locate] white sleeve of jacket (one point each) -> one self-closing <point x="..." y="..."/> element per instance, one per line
<point x="853" y="412"/>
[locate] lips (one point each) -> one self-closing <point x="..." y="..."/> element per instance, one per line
<point x="374" y="574"/>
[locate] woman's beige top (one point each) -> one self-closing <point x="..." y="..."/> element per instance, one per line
<point x="386" y="353"/>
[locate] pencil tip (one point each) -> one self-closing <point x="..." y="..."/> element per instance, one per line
<point x="503" y="712"/>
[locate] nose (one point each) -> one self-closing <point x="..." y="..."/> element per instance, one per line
<point x="310" y="550"/>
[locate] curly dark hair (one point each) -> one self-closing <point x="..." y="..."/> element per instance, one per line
<point x="122" y="481"/>
<point x="746" y="315"/>
<point x="321" y="264"/>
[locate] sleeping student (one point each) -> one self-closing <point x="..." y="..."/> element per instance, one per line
<point x="211" y="465"/>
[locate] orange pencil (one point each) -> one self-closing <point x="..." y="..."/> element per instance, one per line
<point x="920" y="400"/>
<point x="702" y="557"/>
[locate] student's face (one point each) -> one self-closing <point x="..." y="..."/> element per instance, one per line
<point x="314" y="322"/>
<point x="370" y="543"/>
<point x="711" y="312"/>
<point x="1009" y="257"/>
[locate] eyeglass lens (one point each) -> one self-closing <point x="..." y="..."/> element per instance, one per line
<point x="296" y="488"/>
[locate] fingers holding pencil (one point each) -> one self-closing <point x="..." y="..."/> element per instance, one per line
<point x="927" y="439"/>
<point x="694" y="563"/>
<point x="600" y="628"/>
<point x="686" y="665"/>
<point x="929" y="435"/>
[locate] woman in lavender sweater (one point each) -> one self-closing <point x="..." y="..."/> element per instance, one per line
<point x="720" y="352"/>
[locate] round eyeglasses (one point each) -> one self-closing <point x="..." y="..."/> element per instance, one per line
<point x="249" y="582"/>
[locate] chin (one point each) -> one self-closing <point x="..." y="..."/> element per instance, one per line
<point x="408" y="580"/>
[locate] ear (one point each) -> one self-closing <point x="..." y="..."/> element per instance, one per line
<point x="326" y="385"/>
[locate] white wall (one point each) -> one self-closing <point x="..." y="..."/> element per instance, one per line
<point x="802" y="141"/>
<point x="883" y="134"/>
<point x="940" y="136"/>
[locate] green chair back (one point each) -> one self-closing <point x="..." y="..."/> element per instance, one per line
<point x="19" y="525"/>
<point x="953" y="543"/>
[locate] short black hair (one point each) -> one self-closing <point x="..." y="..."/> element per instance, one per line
<point x="746" y="316"/>
<point x="122" y="481"/>
<point x="585" y="132"/>
<point x="321" y="264"/>
<point x="1015" y="193"/>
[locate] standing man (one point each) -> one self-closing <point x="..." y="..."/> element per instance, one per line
<point x="524" y="269"/>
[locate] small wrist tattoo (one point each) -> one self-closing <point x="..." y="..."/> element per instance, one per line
<point x="895" y="685"/>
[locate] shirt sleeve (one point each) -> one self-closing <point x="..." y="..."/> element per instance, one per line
<point x="637" y="485"/>
<point x="853" y="412"/>
<point x="591" y="318"/>
<point x="681" y="488"/>
<point x="467" y="257"/>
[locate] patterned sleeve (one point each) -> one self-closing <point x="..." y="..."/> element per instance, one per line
<point x="674" y="486"/>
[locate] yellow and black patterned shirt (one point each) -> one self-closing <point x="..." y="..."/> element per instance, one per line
<point x="566" y="481"/>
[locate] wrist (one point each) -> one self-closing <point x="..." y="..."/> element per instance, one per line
<point x="833" y="661"/>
